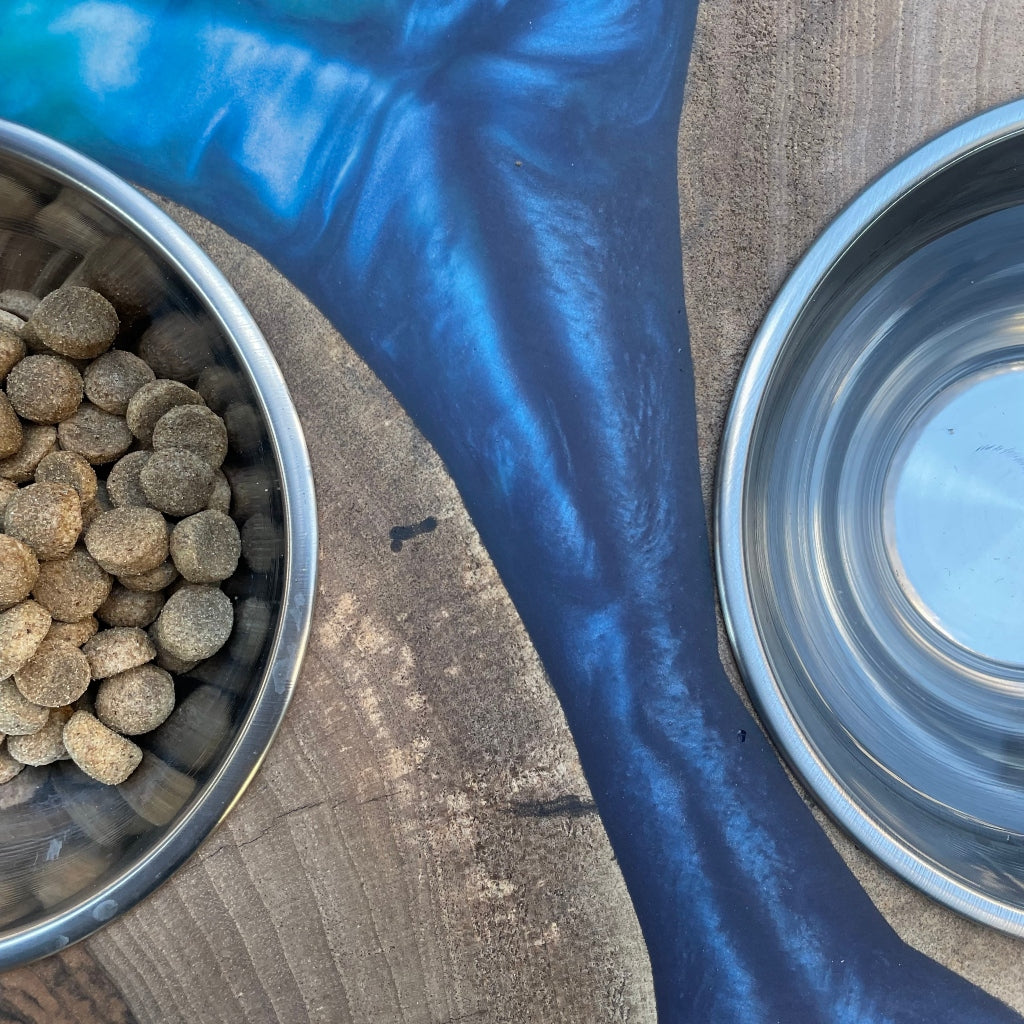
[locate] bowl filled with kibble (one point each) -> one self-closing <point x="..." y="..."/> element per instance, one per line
<point x="157" y="546"/>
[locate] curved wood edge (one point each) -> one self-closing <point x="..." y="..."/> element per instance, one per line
<point x="63" y="989"/>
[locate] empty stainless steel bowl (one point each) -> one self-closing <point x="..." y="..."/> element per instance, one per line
<point x="73" y="853"/>
<point x="870" y="518"/>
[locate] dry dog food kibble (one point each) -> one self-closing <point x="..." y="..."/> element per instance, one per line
<point x="9" y="767"/>
<point x="126" y="607"/>
<point x="18" y="715"/>
<point x="151" y="401"/>
<point x="37" y="440"/>
<point x="123" y="485"/>
<point x="12" y="350"/>
<point x="45" y="746"/>
<point x="136" y="700"/>
<point x="194" y="624"/>
<point x="69" y="468"/>
<point x="151" y="580"/>
<point x="192" y="428"/>
<point x="72" y="588"/>
<point x="47" y="517"/>
<point x="19" y="570"/>
<point x="206" y="547"/>
<point x="96" y="435"/>
<point x="44" y="389"/>
<point x="98" y="751"/>
<point x="75" y="633"/>
<point x="22" y="629"/>
<point x="112" y="380"/>
<point x="74" y="322"/>
<point x="126" y="541"/>
<point x="118" y="649"/>
<point x="21" y="304"/>
<point x="116" y="534"/>
<point x="56" y="675"/>
<point x="177" y="482"/>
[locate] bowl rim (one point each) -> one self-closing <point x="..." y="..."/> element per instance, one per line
<point x="934" y="157"/>
<point x="249" y="746"/>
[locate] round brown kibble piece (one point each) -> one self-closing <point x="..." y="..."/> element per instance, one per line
<point x="112" y="380"/>
<point x="10" y="767"/>
<point x="47" y="517"/>
<point x="72" y="588"/>
<point x="177" y="482"/>
<point x="116" y="650"/>
<point x="12" y="350"/>
<point x="69" y="468"/>
<point x="18" y="715"/>
<point x="153" y="580"/>
<point x="22" y="629"/>
<point x="205" y="547"/>
<point x="19" y="569"/>
<point x="21" y="303"/>
<point x="57" y="674"/>
<point x="98" y="751"/>
<point x="44" y="389"/>
<point x="135" y="701"/>
<point x="75" y="322"/>
<point x="152" y="401"/>
<point x="194" y="623"/>
<point x="177" y="346"/>
<point x="11" y="432"/>
<point x="74" y="633"/>
<point x="45" y="746"/>
<point x="192" y="428"/>
<point x="123" y="485"/>
<point x="97" y="436"/>
<point x="126" y="607"/>
<point x="128" y="540"/>
<point x="37" y="441"/>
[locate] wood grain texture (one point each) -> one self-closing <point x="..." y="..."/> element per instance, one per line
<point x="421" y="845"/>
<point x="792" y="107"/>
<point x="67" y="988"/>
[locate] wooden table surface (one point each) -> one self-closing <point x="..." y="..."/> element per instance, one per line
<point x="421" y="845"/>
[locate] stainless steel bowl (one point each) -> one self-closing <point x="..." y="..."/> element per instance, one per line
<point x="870" y="519"/>
<point x="73" y="854"/>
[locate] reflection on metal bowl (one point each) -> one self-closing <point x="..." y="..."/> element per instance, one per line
<point x="73" y="853"/>
<point x="870" y="519"/>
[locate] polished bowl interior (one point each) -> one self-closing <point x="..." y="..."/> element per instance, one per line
<point x="74" y="853"/>
<point x="870" y="519"/>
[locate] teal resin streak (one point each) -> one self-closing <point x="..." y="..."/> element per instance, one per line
<point x="482" y="197"/>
